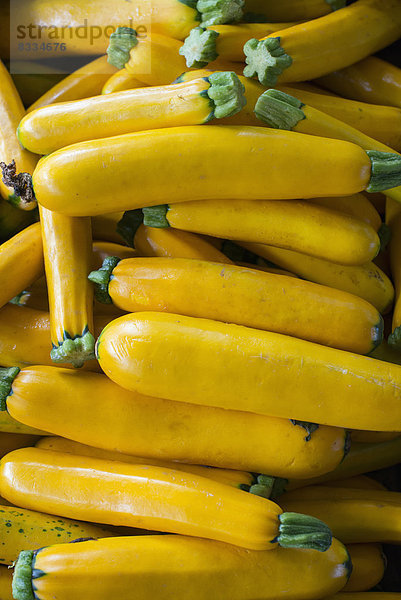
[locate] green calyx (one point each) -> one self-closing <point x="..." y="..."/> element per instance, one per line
<point x="215" y="12"/>
<point x="386" y="171"/>
<point x="128" y="225"/>
<point x="7" y="376"/>
<point x="227" y="94"/>
<point x="266" y="60"/>
<point x="263" y="487"/>
<point x="199" y="48"/>
<point x="302" y="531"/>
<point x="21" y="298"/>
<point x="75" y="350"/>
<point x="309" y="428"/>
<point x="384" y="234"/>
<point x="156" y="216"/>
<point x="279" y="110"/>
<point x="394" y="339"/>
<point x="378" y="333"/>
<point x="22" y="579"/>
<point x="121" y="43"/>
<point x="101" y="279"/>
<point x="337" y="4"/>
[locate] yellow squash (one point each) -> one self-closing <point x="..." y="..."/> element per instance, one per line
<point x="383" y="123"/>
<point x="295" y="225"/>
<point x="147" y="497"/>
<point x="194" y="103"/>
<point x="357" y="206"/>
<point x="292" y="9"/>
<point x="120" y="81"/>
<point x="67" y="247"/>
<point x="21" y="262"/>
<point x="174" y="243"/>
<point x="366" y="281"/>
<point x="370" y="80"/>
<point x="11" y="112"/>
<point x="26" y="530"/>
<point x="320" y="46"/>
<point x="25" y="337"/>
<point x="245" y="296"/>
<point x="240" y="368"/>
<point x="240" y="479"/>
<point x="226" y="163"/>
<point x="61" y="402"/>
<point x="82" y="83"/>
<point x="355" y="516"/>
<point x="282" y="111"/>
<point x="368" y="566"/>
<point x="168" y="566"/>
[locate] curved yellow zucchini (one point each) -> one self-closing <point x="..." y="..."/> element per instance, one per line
<point x="368" y="566"/>
<point x="59" y="401"/>
<point x="295" y="225"/>
<point x="366" y="281"/>
<point x="223" y="161"/>
<point x="185" y="566"/>
<point x="244" y="296"/>
<point x="232" y="366"/>
<point x="295" y="54"/>
<point x="147" y="497"/>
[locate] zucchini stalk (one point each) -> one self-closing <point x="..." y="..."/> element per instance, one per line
<point x="67" y="246"/>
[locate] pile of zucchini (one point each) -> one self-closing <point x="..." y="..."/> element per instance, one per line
<point x="200" y="315"/>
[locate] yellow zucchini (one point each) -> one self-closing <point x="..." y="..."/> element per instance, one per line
<point x="21" y="260"/>
<point x="366" y="281"/>
<point x="61" y="401"/>
<point x="383" y="123"/>
<point x="67" y="246"/>
<point x="174" y="243"/>
<point x="282" y="111"/>
<point x="26" y="530"/>
<point x="357" y="206"/>
<point x="355" y="516"/>
<point x="244" y="296"/>
<point x="147" y="497"/>
<point x="292" y="9"/>
<point x="82" y="83"/>
<point x="11" y="112"/>
<point x="222" y="160"/>
<point x="168" y="566"/>
<point x="225" y="42"/>
<point x="25" y="337"/>
<point x="295" y="54"/>
<point x="194" y="103"/>
<point x="239" y="479"/>
<point x="232" y="366"/>
<point x="120" y="81"/>
<point x="370" y="80"/>
<point x="368" y="566"/>
<point x="295" y="225"/>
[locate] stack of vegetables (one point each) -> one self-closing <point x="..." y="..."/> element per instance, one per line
<point x="200" y="323"/>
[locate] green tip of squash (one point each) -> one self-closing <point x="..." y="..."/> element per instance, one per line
<point x="156" y="216"/>
<point x="199" y="48"/>
<point x="7" y="376"/>
<point x="215" y="12"/>
<point x="279" y="110"/>
<point x="101" y="279"/>
<point x="121" y="43"/>
<point x="384" y="234"/>
<point x="22" y="579"/>
<point x="394" y="339"/>
<point x="75" y="351"/>
<point x="337" y="4"/>
<point x="303" y="531"/>
<point x="128" y="225"/>
<point x="266" y="60"/>
<point x="385" y="172"/>
<point x="227" y="94"/>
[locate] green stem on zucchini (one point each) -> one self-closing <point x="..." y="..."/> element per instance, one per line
<point x="384" y="234"/>
<point x="386" y="171"/>
<point x="226" y="93"/>
<point x="263" y="487"/>
<point x="266" y="59"/>
<point x="101" y="279"/>
<point x="21" y="183"/>
<point x="337" y="4"/>
<point x="22" y="579"/>
<point x="75" y="351"/>
<point x="121" y="43"/>
<point x="302" y="531"/>
<point x="394" y="339"/>
<point x="199" y="47"/>
<point x="279" y="110"/>
<point x="156" y="216"/>
<point x="7" y="376"/>
<point x="128" y="225"/>
<point x="215" y="12"/>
